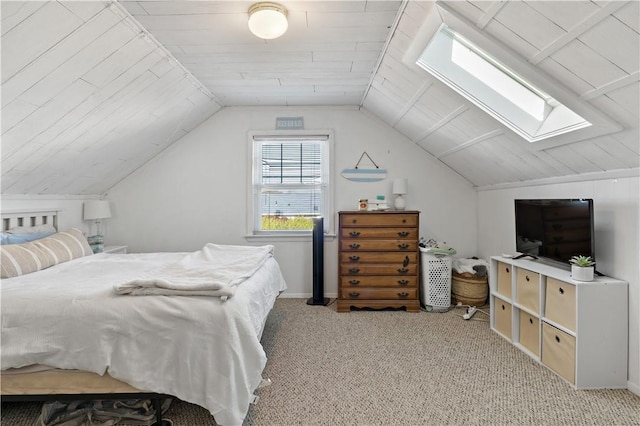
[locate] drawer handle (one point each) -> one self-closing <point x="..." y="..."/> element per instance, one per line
<point x="354" y="258"/>
<point x="354" y="221"/>
<point x="561" y="290"/>
<point x="403" y="294"/>
<point x="354" y="294"/>
<point x="403" y="282"/>
<point x="558" y="339"/>
<point x="354" y="233"/>
<point x="503" y="307"/>
<point x="403" y="234"/>
<point x="403" y="270"/>
<point x="355" y="246"/>
<point x="354" y="282"/>
<point x="404" y="220"/>
<point x="403" y="246"/>
<point x="530" y="320"/>
<point x="526" y="277"/>
<point x="354" y="270"/>
<point x="405" y="262"/>
<point x="506" y="270"/>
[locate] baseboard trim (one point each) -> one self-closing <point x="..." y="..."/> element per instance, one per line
<point x="634" y="388"/>
<point x="286" y="295"/>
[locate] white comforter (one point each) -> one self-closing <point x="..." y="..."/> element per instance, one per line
<point x="215" y="270"/>
<point x="200" y="349"/>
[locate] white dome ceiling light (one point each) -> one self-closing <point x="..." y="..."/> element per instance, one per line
<point x="268" y="20"/>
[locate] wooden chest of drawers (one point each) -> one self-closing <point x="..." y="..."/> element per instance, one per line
<point x="378" y="264"/>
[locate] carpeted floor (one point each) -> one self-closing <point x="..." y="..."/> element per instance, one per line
<point x="397" y="368"/>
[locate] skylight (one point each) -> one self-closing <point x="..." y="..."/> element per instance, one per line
<point x="493" y="87"/>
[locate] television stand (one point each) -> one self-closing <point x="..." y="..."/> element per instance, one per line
<point x="520" y="256"/>
<point x="562" y="323"/>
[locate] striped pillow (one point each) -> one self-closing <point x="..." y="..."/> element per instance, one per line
<point x="20" y="259"/>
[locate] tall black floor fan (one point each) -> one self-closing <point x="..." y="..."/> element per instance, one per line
<point x="318" y="264"/>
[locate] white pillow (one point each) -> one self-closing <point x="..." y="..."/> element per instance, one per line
<point x="38" y="229"/>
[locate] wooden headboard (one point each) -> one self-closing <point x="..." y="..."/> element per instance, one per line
<point x="33" y="218"/>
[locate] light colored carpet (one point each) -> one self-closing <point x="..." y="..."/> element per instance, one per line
<point x="398" y="368"/>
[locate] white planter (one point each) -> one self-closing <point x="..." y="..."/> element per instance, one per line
<point x="579" y="273"/>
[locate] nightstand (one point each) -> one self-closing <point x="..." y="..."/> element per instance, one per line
<point x="115" y="249"/>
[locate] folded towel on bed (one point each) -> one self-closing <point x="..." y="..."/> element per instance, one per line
<point x="215" y="270"/>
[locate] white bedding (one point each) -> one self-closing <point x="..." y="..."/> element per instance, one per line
<point x="215" y="270"/>
<point x="200" y="349"/>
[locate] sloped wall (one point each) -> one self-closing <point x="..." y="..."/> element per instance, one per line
<point x="617" y="236"/>
<point x="196" y="191"/>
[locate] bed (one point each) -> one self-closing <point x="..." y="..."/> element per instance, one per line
<point x="66" y="331"/>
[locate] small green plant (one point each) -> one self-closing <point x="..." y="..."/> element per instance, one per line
<point x="582" y="261"/>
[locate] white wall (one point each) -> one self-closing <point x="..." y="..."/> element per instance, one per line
<point x="617" y="236"/>
<point x="196" y="191"/>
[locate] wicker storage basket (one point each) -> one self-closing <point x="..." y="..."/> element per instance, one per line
<point x="469" y="289"/>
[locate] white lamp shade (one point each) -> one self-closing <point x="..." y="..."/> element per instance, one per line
<point x="268" y="20"/>
<point x="399" y="186"/>
<point x="96" y="209"/>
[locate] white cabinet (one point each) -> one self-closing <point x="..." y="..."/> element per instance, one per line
<point x="577" y="329"/>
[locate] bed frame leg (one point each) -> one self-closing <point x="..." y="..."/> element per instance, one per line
<point x="157" y="405"/>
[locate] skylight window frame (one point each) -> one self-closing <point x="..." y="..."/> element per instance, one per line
<point x="600" y="123"/>
<point x="522" y="107"/>
<point x="506" y="70"/>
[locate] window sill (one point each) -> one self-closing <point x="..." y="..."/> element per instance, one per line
<point x="286" y="237"/>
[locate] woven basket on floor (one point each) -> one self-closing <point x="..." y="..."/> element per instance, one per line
<point x="469" y="289"/>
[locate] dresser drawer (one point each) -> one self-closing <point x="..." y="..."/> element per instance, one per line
<point x="560" y="303"/>
<point x="379" y="281"/>
<point x="377" y="269"/>
<point x="365" y="293"/>
<point x="393" y="233"/>
<point x="528" y="289"/>
<point x="378" y="220"/>
<point x="530" y="332"/>
<point x="351" y="244"/>
<point x="398" y="258"/>
<point x="504" y="279"/>
<point x="503" y="317"/>
<point x="559" y="352"/>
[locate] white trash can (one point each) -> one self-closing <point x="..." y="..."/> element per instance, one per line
<point x="435" y="271"/>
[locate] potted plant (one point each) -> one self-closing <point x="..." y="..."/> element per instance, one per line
<point x="582" y="268"/>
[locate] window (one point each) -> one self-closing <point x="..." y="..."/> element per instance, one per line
<point x="290" y="182"/>
<point x="493" y="87"/>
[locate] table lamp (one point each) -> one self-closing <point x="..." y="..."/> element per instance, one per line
<point x="97" y="210"/>
<point x="399" y="189"/>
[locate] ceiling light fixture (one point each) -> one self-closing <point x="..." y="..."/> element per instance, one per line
<point x="268" y="20"/>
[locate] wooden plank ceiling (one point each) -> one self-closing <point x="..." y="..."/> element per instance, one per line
<point x="92" y="90"/>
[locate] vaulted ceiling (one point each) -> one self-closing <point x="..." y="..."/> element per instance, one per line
<point x="92" y="90"/>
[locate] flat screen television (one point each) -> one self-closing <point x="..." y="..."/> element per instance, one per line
<point x="555" y="229"/>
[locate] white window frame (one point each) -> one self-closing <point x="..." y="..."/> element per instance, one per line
<point x="600" y="124"/>
<point x="497" y="90"/>
<point x="253" y="188"/>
